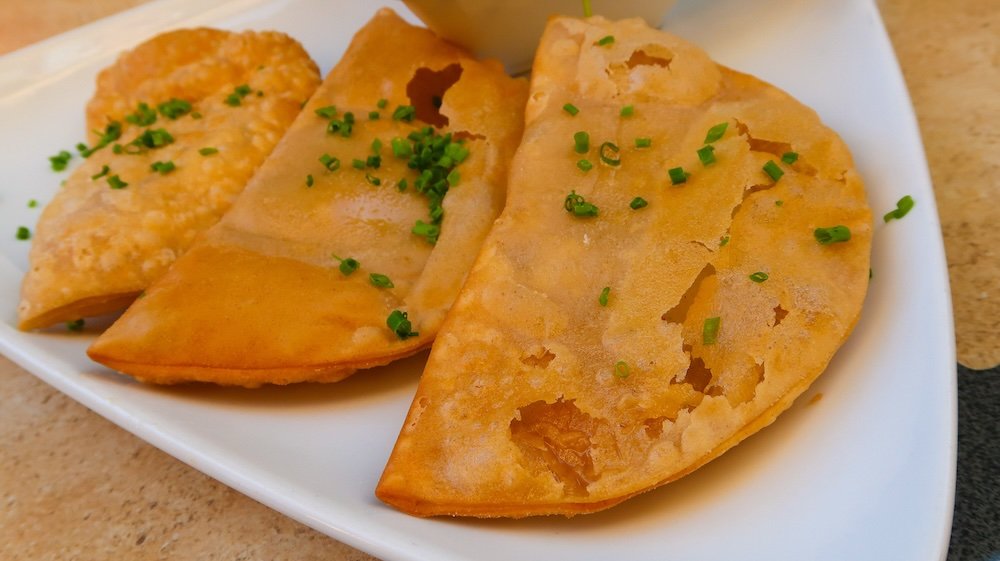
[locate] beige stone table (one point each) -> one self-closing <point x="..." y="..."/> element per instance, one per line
<point x="74" y="486"/>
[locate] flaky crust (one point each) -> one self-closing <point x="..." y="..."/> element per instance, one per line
<point x="96" y="248"/>
<point x="519" y="411"/>
<point x="261" y="299"/>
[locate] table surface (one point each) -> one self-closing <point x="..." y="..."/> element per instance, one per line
<point x="75" y="486"/>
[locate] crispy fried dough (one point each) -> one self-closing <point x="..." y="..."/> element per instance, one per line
<point x="97" y="247"/>
<point x="262" y="299"/>
<point x="536" y="398"/>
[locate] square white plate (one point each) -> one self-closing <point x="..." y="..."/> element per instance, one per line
<point x="865" y="473"/>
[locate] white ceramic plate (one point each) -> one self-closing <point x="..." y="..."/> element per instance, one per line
<point x="865" y="473"/>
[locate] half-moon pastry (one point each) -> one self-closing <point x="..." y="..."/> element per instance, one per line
<point x="179" y="124"/>
<point x="683" y="249"/>
<point x="350" y="244"/>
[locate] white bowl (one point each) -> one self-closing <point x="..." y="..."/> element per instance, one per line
<point x="509" y="30"/>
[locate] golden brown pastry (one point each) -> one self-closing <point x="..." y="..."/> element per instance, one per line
<point x="648" y="298"/>
<point x="179" y="123"/>
<point x="343" y="252"/>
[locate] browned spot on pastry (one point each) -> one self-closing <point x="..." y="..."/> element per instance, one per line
<point x="641" y="57"/>
<point x="779" y="314"/>
<point x="679" y="312"/>
<point x="539" y="357"/>
<point x="698" y="375"/>
<point x="654" y="426"/>
<point x="426" y="92"/>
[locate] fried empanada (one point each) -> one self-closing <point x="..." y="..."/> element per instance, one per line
<point x="343" y="252"/>
<point x="652" y="294"/>
<point x="180" y="124"/>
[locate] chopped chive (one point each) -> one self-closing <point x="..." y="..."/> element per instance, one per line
<point x="627" y="111"/>
<point x="105" y="169"/>
<point x="373" y="115"/>
<point x="234" y="99"/>
<point x="400" y="324"/>
<point x="605" y="41"/>
<point x="75" y="325"/>
<point x="603" y="298"/>
<point x="381" y="104"/>
<point x="32" y="203"/>
<point x="832" y="234"/>
<point x="404" y="113"/>
<point x="163" y="167"/>
<point x="621" y="369"/>
<point x="706" y="154"/>
<point x="195" y="115"/>
<point x="610" y="154"/>
<point x="428" y="231"/>
<point x="774" y="170"/>
<point x="571" y="109"/>
<point x="578" y="206"/>
<point x="309" y="180"/>
<point x="581" y="142"/>
<point x="453" y="177"/>
<point x="678" y="175"/>
<point x="60" y="160"/>
<point x="585" y="165"/>
<point x="373" y="162"/>
<point x="343" y="127"/>
<point x="174" y="108"/>
<point x="587" y="11"/>
<point x="903" y="206"/>
<point x="144" y="116"/>
<point x="372" y="179"/>
<point x="789" y="157"/>
<point x="329" y="162"/>
<point x="710" y="331"/>
<point x="401" y="185"/>
<point x="328" y="112"/>
<point x="243" y="90"/>
<point x="208" y="151"/>
<point x="643" y="142"/>
<point x="716" y="132"/>
<point x="380" y="281"/>
<point x="759" y="276"/>
<point x="347" y="265"/>
<point x="116" y="182"/>
<point x="23" y="233"/>
<point x="358" y="164"/>
<point x="112" y="132"/>
<point x="779" y="202"/>
<point x="723" y="241"/>
<point x="638" y="203"/>
<point x="401" y="148"/>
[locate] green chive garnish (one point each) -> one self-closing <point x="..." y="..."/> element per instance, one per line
<point x="112" y="132"/>
<point x="903" y="206"/>
<point x="23" y="233"/>
<point x="309" y="180"/>
<point x="75" y="325"/>
<point x="706" y="154"/>
<point x="32" y="203"/>
<point x="716" y="132"/>
<point x="380" y="281"/>
<point x="208" y="151"/>
<point x="585" y="165"/>
<point x="643" y="142"/>
<point x="347" y="265"/>
<point x="235" y="98"/>
<point x="358" y="164"/>
<point x="627" y="111"/>
<point x="401" y="185"/>
<point x="343" y="127"/>
<point x="610" y="154"/>
<point x="710" y="331"/>
<point x="372" y="179"/>
<point x="382" y="103"/>
<point x="779" y="202"/>
<point x="587" y="11"/>
<point x="832" y="234"/>
<point x="454" y="177"/>
<point x="373" y="115"/>
<point x="723" y="241"/>
<point x="578" y="206"/>
<point x="401" y="148"/>
<point x="581" y="142"/>
<point x="399" y="323"/>
<point x="373" y="162"/>
<point x="328" y="112"/>
<point x="143" y="116"/>
<point x="638" y="203"/>
<point x="789" y="157"/>
<point x="621" y="369"/>
<point x="163" y="167"/>
<point x="105" y="169"/>
<point x="678" y="175"/>
<point x="60" y="160"/>
<point x="759" y="276"/>
<point x="116" y="182"/>
<point x="773" y="170"/>
<point x="605" y="41"/>
<point x="571" y="109"/>
<point x="330" y="163"/>
<point x="603" y="298"/>
<point x="195" y="115"/>
<point x="174" y="108"/>
<point x="429" y="231"/>
<point x="404" y="113"/>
